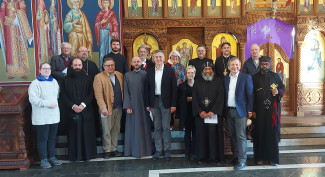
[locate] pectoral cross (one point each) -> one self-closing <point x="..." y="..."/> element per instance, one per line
<point x="273" y="86"/>
<point x="206" y="102"/>
<point x="225" y="72"/>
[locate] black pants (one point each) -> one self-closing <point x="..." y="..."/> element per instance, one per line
<point x="190" y="136"/>
<point x="46" y="135"/>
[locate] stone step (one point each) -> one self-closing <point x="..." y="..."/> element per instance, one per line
<point x="302" y="130"/>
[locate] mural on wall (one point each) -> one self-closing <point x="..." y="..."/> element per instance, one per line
<point x="55" y="30"/>
<point x="281" y="68"/>
<point x="214" y="8"/>
<point x="233" y="8"/>
<point x="106" y="28"/>
<point x="306" y="6"/>
<point x="147" y="41"/>
<point x="270" y="31"/>
<point x="194" y="8"/>
<point x="77" y="26"/>
<point x="187" y="49"/>
<point x="43" y="33"/>
<point x="312" y="57"/>
<point x="175" y="8"/>
<point x="321" y="6"/>
<point x="218" y="40"/>
<point x="252" y="5"/>
<point x="16" y="41"/>
<point x="155" y="8"/>
<point x="135" y="8"/>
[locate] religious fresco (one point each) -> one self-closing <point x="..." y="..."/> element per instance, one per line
<point x="312" y="57"/>
<point x="77" y="26"/>
<point x="175" y="8"/>
<point x="135" y="8"/>
<point x="147" y="41"/>
<point x="257" y="5"/>
<point x="155" y="8"/>
<point x="43" y="32"/>
<point x="233" y="8"/>
<point x="306" y="6"/>
<point x="106" y="28"/>
<point x="187" y="49"/>
<point x="321" y="6"/>
<point x="281" y="68"/>
<point x="270" y="31"/>
<point x="218" y="40"/>
<point x="214" y="8"/>
<point x="194" y="8"/>
<point x="48" y="30"/>
<point x="17" y="61"/>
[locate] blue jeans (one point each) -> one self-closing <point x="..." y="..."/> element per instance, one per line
<point x="237" y="129"/>
<point x="161" y="120"/>
<point x="46" y="135"/>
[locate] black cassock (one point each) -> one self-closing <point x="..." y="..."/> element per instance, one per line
<point x="266" y="133"/>
<point x="75" y="89"/>
<point x="208" y="96"/>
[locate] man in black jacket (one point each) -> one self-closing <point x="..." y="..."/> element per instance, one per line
<point x="222" y="61"/>
<point x="145" y="63"/>
<point x="161" y="87"/>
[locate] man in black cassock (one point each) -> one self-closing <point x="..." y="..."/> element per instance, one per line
<point x="77" y="94"/>
<point x="207" y="100"/>
<point x="199" y="61"/>
<point x="221" y="64"/>
<point x="268" y="91"/>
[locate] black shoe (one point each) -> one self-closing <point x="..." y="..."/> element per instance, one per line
<point x="107" y="155"/>
<point x="233" y="160"/>
<point x="116" y="154"/>
<point x="239" y="166"/>
<point x="156" y="155"/>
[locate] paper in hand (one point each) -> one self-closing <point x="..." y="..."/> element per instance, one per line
<point x="212" y="120"/>
<point x="151" y="117"/>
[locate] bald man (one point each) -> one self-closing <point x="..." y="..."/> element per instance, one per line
<point x="251" y="66"/>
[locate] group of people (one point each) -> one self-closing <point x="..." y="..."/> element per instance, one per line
<point x="203" y="95"/>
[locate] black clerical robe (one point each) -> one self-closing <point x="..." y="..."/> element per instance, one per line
<point x="208" y="96"/>
<point x="266" y="133"/>
<point x="221" y="66"/>
<point x="198" y="63"/>
<point x="75" y="89"/>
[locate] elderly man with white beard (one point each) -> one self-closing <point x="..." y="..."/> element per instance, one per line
<point x="207" y="104"/>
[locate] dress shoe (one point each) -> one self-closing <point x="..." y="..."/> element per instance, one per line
<point x="54" y="161"/>
<point x="167" y="155"/>
<point x="116" y="153"/>
<point x="107" y="155"/>
<point x="233" y="160"/>
<point x="45" y="163"/>
<point x="156" y="155"/>
<point x="273" y="164"/>
<point x="240" y="165"/>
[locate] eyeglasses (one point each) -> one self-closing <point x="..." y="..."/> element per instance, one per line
<point x="110" y="65"/>
<point x="46" y="69"/>
<point x="66" y="48"/>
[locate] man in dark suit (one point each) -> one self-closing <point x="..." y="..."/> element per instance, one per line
<point x="239" y="101"/>
<point x="251" y="66"/>
<point x="221" y="64"/>
<point x="145" y="63"/>
<point x="59" y="63"/>
<point x="161" y="87"/>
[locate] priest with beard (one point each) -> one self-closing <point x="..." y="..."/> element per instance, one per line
<point x="77" y="94"/>
<point x="208" y="100"/>
<point x="138" y="124"/>
<point x="268" y="91"/>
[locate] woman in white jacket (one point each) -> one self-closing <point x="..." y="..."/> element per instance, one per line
<point x="43" y="95"/>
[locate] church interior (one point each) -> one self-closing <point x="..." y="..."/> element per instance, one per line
<point x="291" y="32"/>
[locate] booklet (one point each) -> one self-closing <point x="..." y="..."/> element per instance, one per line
<point x="212" y="120"/>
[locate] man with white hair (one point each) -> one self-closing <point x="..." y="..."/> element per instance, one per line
<point x="60" y="63"/>
<point x="145" y="63"/>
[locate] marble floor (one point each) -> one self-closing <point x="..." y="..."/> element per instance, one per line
<point x="304" y="163"/>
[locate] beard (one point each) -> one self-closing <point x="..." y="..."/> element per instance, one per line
<point x="115" y="50"/>
<point x="206" y="77"/>
<point x="137" y="68"/>
<point x="264" y="70"/>
<point x="77" y="72"/>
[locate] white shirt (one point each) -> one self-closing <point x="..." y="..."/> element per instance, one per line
<point x="257" y="63"/>
<point x="112" y="78"/>
<point x="158" y="77"/>
<point x="144" y="63"/>
<point x="232" y="90"/>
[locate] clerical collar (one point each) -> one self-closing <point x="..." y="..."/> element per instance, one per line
<point x="226" y="56"/>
